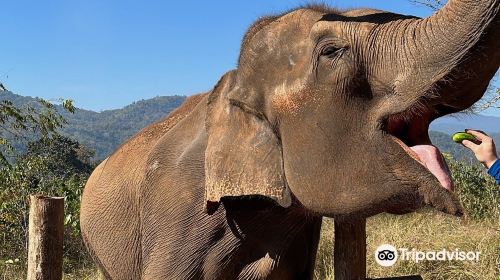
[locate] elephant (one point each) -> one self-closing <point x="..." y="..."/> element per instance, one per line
<point x="325" y="115"/>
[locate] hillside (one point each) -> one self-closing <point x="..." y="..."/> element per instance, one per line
<point x="105" y="131"/>
<point x="459" y="122"/>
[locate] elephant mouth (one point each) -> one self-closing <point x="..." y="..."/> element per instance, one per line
<point x="409" y="130"/>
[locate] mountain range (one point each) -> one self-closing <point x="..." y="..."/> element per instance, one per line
<point x="458" y="122"/>
<point x="105" y="131"/>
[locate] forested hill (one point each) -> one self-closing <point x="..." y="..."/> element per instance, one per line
<point x="105" y="131"/>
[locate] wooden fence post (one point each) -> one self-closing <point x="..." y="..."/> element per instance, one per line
<point x="46" y="227"/>
<point x="350" y="250"/>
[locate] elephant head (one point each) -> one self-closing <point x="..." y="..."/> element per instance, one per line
<point x="331" y="109"/>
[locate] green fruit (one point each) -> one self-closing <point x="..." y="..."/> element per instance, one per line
<point x="461" y="136"/>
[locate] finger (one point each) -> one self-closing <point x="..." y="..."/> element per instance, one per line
<point x="470" y="145"/>
<point x="477" y="133"/>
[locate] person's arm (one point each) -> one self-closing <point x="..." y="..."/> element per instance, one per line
<point x="494" y="171"/>
<point x="485" y="152"/>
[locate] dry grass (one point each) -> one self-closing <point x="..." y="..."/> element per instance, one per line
<point x="425" y="230"/>
<point x="11" y="272"/>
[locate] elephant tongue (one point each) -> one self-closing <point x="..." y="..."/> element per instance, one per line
<point x="430" y="157"/>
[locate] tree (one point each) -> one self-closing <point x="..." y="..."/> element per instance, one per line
<point x="61" y="155"/>
<point x="433" y="4"/>
<point x="491" y="100"/>
<point x="34" y="158"/>
<point x="56" y="166"/>
<point x="27" y="123"/>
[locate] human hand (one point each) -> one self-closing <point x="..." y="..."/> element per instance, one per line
<point x="485" y="152"/>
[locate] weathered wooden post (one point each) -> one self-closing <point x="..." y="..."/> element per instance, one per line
<point x="46" y="227"/>
<point x="350" y="251"/>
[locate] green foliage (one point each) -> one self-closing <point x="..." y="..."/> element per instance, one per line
<point x="56" y="166"/>
<point x="34" y="158"/>
<point x="23" y="123"/>
<point x="477" y="191"/>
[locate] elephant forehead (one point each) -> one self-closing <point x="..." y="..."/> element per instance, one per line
<point x="344" y="29"/>
<point x="285" y="30"/>
<point x="298" y="19"/>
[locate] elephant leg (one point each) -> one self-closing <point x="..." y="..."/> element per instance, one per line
<point x="103" y="274"/>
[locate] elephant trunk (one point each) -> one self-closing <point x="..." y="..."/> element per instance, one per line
<point x="453" y="53"/>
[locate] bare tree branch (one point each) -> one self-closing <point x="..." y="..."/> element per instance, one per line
<point x="490" y="102"/>
<point x="432" y="4"/>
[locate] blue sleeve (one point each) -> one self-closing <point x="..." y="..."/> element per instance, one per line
<point x="494" y="171"/>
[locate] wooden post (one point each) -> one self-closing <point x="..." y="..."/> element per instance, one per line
<point x="350" y="250"/>
<point x="45" y="249"/>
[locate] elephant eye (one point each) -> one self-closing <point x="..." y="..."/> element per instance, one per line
<point x="330" y="51"/>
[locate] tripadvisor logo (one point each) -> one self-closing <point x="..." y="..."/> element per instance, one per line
<point x="387" y="255"/>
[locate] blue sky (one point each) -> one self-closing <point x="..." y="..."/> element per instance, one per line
<point x="107" y="54"/>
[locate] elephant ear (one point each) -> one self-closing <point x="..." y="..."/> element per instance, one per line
<point x="243" y="155"/>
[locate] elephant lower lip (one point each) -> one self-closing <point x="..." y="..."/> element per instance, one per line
<point x="430" y="157"/>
